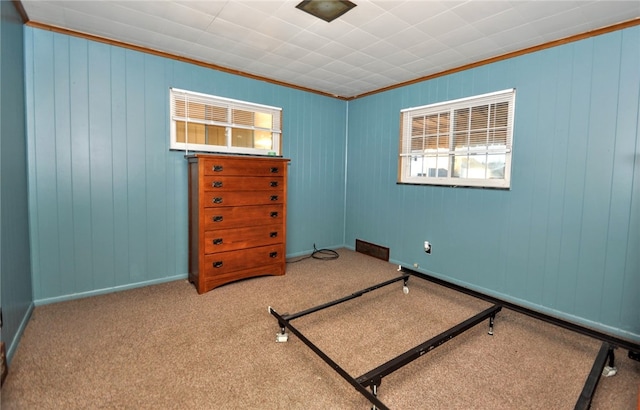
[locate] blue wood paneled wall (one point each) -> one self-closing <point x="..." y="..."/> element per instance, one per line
<point x="566" y="238"/>
<point x="108" y="200"/>
<point x="15" y="270"/>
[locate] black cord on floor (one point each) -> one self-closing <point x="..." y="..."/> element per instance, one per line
<point x="322" y="254"/>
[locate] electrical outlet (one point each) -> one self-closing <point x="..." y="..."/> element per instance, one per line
<point x="427" y="247"/>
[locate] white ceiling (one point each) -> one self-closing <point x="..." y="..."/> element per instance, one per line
<point x="379" y="43"/>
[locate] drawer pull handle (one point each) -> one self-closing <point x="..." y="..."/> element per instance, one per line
<point x="274" y="170"/>
<point x="274" y="214"/>
<point x="274" y="197"/>
<point x="217" y="168"/>
<point x="273" y="234"/>
<point x="217" y="184"/>
<point x="272" y="255"/>
<point x="217" y="200"/>
<point x="217" y="241"/>
<point x="273" y="184"/>
<point x="217" y="264"/>
<point x="218" y="218"/>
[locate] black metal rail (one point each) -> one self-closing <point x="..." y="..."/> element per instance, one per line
<point x="613" y="340"/>
<point x="344" y="299"/>
<point x="362" y="389"/>
<point x="609" y="342"/>
<point x="589" y="389"/>
<point x="374" y="377"/>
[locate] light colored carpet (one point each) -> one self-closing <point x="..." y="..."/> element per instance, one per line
<point x="166" y="347"/>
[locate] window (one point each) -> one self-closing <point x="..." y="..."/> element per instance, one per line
<point x="465" y="142"/>
<point x="201" y="122"/>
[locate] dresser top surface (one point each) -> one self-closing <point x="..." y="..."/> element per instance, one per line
<point x="197" y="156"/>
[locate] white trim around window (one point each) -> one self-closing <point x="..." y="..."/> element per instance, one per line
<point x="207" y="123"/>
<point x="464" y="142"/>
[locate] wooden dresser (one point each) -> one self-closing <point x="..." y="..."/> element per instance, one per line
<point x="237" y="218"/>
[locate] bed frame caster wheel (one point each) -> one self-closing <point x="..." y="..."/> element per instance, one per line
<point x="609" y="371"/>
<point x="405" y="290"/>
<point x="282" y="337"/>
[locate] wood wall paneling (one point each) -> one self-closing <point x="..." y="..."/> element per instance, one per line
<point x="109" y="200"/>
<point x="562" y="240"/>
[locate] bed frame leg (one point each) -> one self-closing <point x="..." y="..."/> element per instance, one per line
<point x="610" y="369"/>
<point x="374" y="391"/>
<point x="491" y="320"/>
<point x="283" y="336"/>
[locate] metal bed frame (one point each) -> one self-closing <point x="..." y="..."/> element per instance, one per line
<point x="603" y="364"/>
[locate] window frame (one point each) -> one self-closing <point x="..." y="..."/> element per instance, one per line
<point x="451" y="109"/>
<point x="229" y="124"/>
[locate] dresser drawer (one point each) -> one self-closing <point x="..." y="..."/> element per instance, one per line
<point x="241" y="198"/>
<point x="213" y="281"/>
<point x="242" y="216"/>
<point x="225" y="183"/>
<point x="225" y="262"/>
<point x="222" y="240"/>
<point x="243" y="166"/>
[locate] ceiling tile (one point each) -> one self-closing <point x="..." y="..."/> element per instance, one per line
<point x="460" y="35"/>
<point x="376" y="43"/>
<point x="171" y="12"/>
<point x="291" y="51"/>
<point x="441" y="24"/>
<point x="402" y="57"/>
<point x="210" y="8"/>
<point x="358" y="58"/>
<point x="477" y="49"/>
<point x="609" y="12"/>
<point x="534" y="10"/>
<point x="315" y="59"/>
<point x="309" y="41"/>
<point x="380" y="50"/>
<point x="523" y="34"/>
<point x="261" y="41"/>
<point x="384" y="26"/>
<point x="427" y="47"/>
<point x="357" y="39"/>
<point x="414" y="12"/>
<point x="363" y="13"/>
<point x="406" y="37"/>
<point x="331" y="31"/>
<point x="46" y="12"/>
<point x="243" y="14"/>
<point x="335" y="51"/>
<point x="448" y="58"/>
<point x="499" y="21"/>
<point x="472" y="11"/>
<point x="225" y="28"/>
<point x="377" y="66"/>
<point x="277" y="28"/>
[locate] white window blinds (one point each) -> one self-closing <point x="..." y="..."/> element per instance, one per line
<point x="461" y="142"/>
<point x="202" y="122"/>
